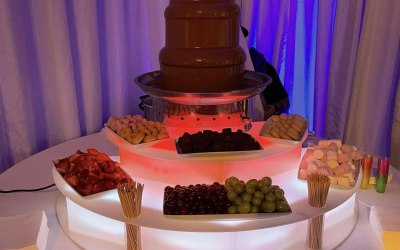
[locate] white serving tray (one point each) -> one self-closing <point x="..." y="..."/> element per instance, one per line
<point x="114" y="137"/>
<point x="335" y="186"/>
<point x="61" y="182"/>
<point x="226" y="217"/>
<point x="268" y="123"/>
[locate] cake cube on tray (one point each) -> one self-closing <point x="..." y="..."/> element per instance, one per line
<point x="340" y="162"/>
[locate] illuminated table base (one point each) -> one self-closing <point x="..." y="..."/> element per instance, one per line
<point x="93" y="231"/>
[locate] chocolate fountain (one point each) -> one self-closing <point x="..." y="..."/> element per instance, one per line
<point x="202" y="83"/>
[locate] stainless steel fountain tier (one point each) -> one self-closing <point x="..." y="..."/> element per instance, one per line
<point x="192" y="112"/>
<point x="253" y="83"/>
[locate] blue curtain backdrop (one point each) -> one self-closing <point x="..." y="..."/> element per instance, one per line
<point x="296" y="60"/>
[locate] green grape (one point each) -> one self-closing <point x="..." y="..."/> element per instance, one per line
<point x="238" y="201"/>
<point x="256" y="201"/>
<point x="250" y="189"/>
<point x="232" y="195"/>
<point x="267" y="180"/>
<point x="254" y="209"/>
<point x="268" y="207"/>
<point x="244" y="208"/>
<point x="262" y="183"/>
<point x="227" y="182"/>
<point x="233" y="180"/>
<point x="246" y="197"/>
<point x="275" y="187"/>
<point x="282" y="206"/>
<point x="228" y="187"/>
<point x="270" y="197"/>
<point x="232" y="209"/>
<point x="239" y="188"/>
<point x="259" y="194"/>
<point x="279" y="195"/>
<point x="265" y="189"/>
<point x="255" y="196"/>
<point x="252" y="182"/>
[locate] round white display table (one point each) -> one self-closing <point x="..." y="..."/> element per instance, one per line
<point x="72" y="225"/>
<point x="159" y="165"/>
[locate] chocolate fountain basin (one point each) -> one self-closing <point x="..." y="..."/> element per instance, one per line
<point x="253" y="84"/>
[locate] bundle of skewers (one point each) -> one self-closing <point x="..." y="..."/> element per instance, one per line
<point x="130" y="196"/>
<point x="318" y="188"/>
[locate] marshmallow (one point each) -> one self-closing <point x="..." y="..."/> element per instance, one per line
<point x="343" y="181"/>
<point x="331" y="155"/>
<point x="312" y="168"/>
<point x="339" y="171"/>
<point x="338" y="143"/>
<point x="347" y="166"/>
<point x="312" y="164"/>
<point x="332" y="147"/>
<point x="355" y="155"/>
<point x="332" y="164"/>
<point x="333" y="180"/>
<point x="347" y="148"/>
<point x="350" y="176"/>
<point x="323" y="170"/>
<point x="319" y="154"/>
<point x="343" y="157"/>
<point x="324" y="143"/>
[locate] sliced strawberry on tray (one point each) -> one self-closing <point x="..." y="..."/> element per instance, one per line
<point x="91" y="172"/>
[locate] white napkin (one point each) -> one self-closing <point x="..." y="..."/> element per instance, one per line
<point x="383" y="220"/>
<point x="27" y="231"/>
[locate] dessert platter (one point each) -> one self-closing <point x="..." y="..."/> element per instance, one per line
<point x="208" y="183"/>
<point x="340" y="162"/>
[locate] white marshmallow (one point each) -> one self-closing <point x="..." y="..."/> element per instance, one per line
<point x="319" y="154"/>
<point x="324" y="143"/>
<point x="332" y="147"/>
<point x="332" y="163"/>
<point x="338" y="143"/>
<point x="342" y="158"/>
<point x="331" y="155"/>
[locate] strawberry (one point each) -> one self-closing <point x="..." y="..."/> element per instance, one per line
<point x="103" y="157"/>
<point x="99" y="187"/>
<point x="63" y="166"/>
<point x="93" y="151"/>
<point x="109" y="185"/>
<point x="73" y="181"/>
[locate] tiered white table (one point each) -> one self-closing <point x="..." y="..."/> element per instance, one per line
<point x="98" y="224"/>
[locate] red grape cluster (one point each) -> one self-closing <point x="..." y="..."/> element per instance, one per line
<point x="196" y="199"/>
